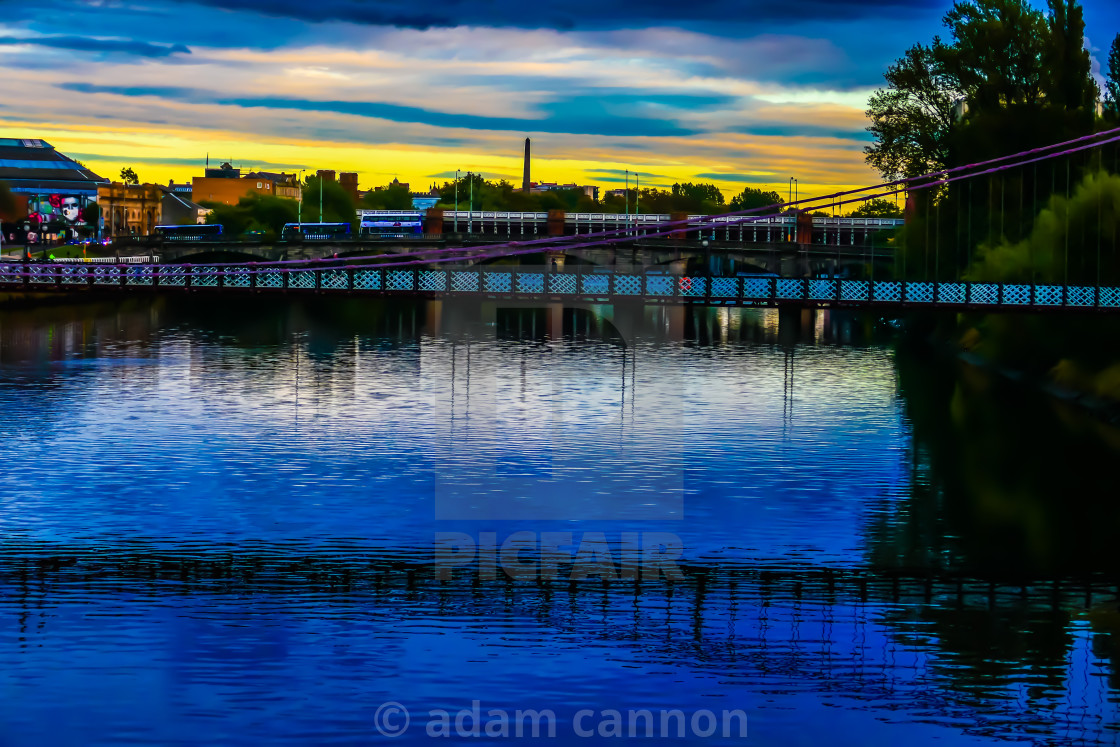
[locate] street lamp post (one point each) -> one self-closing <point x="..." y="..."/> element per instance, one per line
<point x="299" y="212"/>
<point x="626" y="203"/>
<point x="789" y="207"/>
<point x="456" y="200"/>
<point x="796" y="211"/>
<point x="636" y="193"/>
<point x="470" y="204"/>
<point x="320" y="199"/>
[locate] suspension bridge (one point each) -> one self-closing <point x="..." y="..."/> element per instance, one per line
<point x="936" y="276"/>
<point x="649" y="286"/>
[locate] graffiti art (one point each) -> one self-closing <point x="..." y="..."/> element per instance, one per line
<point x="57" y="208"/>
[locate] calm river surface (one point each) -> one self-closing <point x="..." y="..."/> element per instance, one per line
<point x="256" y="524"/>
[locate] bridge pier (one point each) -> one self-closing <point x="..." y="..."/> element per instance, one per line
<point x="795" y="324"/>
<point x="488" y="313"/>
<point x="675" y="316"/>
<point x="554" y="321"/>
<point x="433" y="317"/>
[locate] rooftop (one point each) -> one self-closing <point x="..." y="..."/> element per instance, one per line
<point x="33" y="166"/>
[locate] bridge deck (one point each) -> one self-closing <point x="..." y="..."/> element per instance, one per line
<point x="592" y="286"/>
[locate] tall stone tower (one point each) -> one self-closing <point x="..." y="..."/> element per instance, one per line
<point x="525" y="178"/>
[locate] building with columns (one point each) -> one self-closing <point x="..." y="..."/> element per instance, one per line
<point x="130" y="209"/>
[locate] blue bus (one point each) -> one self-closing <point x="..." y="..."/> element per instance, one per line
<point x="316" y="231"/>
<point x="190" y="232"/>
<point x="391" y="223"/>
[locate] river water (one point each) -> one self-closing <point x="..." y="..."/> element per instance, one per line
<point x="258" y="523"/>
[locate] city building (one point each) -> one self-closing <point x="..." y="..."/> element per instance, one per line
<point x="225" y="171"/>
<point x="184" y="189"/>
<point x="283" y="185"/>
<point x="588" y="189"/>
<point x="424" y="200"/>
<point x="349" y="182"/>
<point x="57" y="191"/>
<point x="130" y="209"/>
<point x="225" y="185"/>
<point x="178" y="210"/>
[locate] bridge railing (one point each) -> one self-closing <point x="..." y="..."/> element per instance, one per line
<point x="537" y="283"/>
<point x="150" y="259"/>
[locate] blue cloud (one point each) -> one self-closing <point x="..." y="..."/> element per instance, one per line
<point x="577" y="116"/>
<point x="462" y="173"/>
<point x="622" y="173"/>
<point x="802" y="130"/>
<point x="91" y="44"/>
<point x="742" y="178"/>
<point x="174" y="161"/>
<point x="575" y="14"/>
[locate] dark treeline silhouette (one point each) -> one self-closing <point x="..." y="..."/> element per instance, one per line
<point x="1007" y="78"/>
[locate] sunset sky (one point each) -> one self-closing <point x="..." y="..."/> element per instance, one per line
<point x="737" y="92"/>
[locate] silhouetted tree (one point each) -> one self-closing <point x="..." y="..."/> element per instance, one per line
<point x="7" y="202"/>
<point x="877" y="208"/>
<point x="337" y="204"/>
<point x="1022" y="79"/>
<point x="751" y="198"/>
<point x="911" y="117"/>
<point x="128" y="176"/>
<point x="394" y="196"/>
<point x="259" y="213"/>
<point x="1112" y="82"/>
<point x="1069" y="80"/>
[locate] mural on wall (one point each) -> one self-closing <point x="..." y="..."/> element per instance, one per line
<point x="50" y="217"/>
<point x="66" y="209"/>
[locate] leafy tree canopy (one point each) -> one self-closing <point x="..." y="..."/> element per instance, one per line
<point x="337" y="204"/>
<point x="877" y="208"/>
<point x="751" y="198"/>
<point x="1112" y="83"/>
<point x="256" y="212"/>
<point x="1008" y="78"/>
<point x="7" y="202"/>
<point x="128" y="176"/>
<point x="394" y="196"/>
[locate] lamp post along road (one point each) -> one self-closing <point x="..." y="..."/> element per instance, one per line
<point x="637" y="192"/>
<point x="789" y="206"/>
<point x="299" y="211"/>
<point x="626" y="202"/>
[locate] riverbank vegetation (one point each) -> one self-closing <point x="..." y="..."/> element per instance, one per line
<point x="265" y="216"/>
<point x="1009" y="77"/>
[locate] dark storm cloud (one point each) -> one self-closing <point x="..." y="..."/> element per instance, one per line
<point x="87" y="44"/>
<point x="575" y="14"/>
<point x="576" y="115"/>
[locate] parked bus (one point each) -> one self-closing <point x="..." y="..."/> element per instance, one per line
<point x="394" y="228"/>
<point x="191" y="232"/>
<point x="316" y="231"/>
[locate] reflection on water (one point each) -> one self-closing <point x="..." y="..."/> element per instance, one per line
<point x="218" y="525"/>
